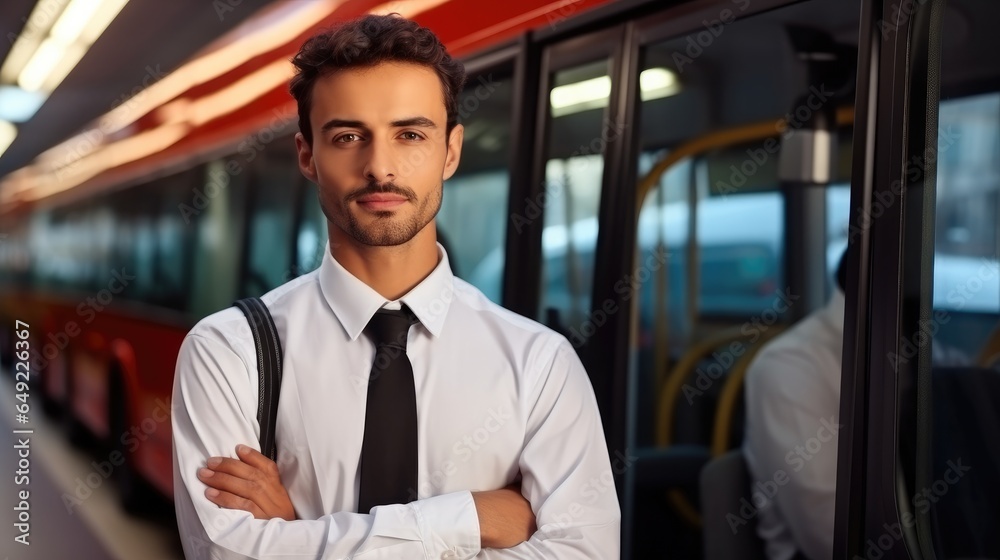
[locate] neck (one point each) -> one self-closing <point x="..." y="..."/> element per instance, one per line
<point x="390" y="271"/>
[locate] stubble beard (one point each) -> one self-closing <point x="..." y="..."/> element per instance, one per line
<point x="388" y="228"/>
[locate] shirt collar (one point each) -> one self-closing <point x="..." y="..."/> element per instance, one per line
<point x="354" y="302"/>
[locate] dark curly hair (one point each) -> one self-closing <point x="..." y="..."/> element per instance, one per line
<point x="368" y="41"/>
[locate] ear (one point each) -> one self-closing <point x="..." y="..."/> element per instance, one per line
<point x="454" y="154"/>
<point x="306" y="163"/>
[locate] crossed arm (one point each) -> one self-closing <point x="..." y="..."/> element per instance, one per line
<point x="564" y="484"/>
<point x="252" y="483"/>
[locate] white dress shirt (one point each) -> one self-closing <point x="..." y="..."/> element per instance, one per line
<point x="793" y="404"/>
<point x="497" y="395"/>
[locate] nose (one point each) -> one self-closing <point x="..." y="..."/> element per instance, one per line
<point x="380" y="166"/>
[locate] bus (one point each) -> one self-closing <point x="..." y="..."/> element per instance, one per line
<point x="657" y="180"/>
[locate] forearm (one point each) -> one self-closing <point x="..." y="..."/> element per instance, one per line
<point x="209" y="531"/>
<point x="234" y="535"/>
<point x="508" y="525"/>
<point x="433" y="525"/>
<point x="582" y="542"/>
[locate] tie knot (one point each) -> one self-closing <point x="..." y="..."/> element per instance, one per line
<point x="389" y="327"/>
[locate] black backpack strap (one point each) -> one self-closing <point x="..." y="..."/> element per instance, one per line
<point x="269" y="360"/>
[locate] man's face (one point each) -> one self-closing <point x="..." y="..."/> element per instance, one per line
<point x="380" y="152"/>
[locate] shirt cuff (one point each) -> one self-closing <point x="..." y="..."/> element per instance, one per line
<point x="449" y="525"/>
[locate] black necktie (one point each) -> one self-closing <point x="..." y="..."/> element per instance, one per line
<point x="389" y="450"/>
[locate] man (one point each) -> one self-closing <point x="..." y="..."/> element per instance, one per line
<point x="793" y="407"/>
<point x="793" y="403"/>
<point x="453" y="436"/>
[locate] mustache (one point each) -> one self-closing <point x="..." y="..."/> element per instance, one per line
<point x="374" y="187"/>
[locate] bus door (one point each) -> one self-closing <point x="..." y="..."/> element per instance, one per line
<point x="741" y="162"/>
<point x="919" y="469"/>
<point x="558" y="219"/>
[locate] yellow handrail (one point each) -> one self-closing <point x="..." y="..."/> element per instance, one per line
<point x="680" y="374"/>
<point x="732" y="390"/>
<point x="674" y="381"/>
<point x="668" y="406"/>
<point x="702" y="144"/>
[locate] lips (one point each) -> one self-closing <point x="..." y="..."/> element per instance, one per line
<point x="381" y="201"/>
<point x="382" y="197"/>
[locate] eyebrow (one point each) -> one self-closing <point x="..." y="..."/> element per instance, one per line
<point x="420" y="122"/>
<point x="342" y="123"/>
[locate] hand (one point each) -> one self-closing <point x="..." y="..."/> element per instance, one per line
<point x="505" y="517"/>
<point x="250" y="483"/>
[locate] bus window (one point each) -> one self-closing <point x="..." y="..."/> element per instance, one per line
<point x="472" y="223"/>
<point x="968" y="194"/>
<point x="217" y="209"/>
<point x="838" y="201"/>
<point x="64" y="269"/>
<point x="275" y="181"/>
<point x="103" y="231"/>
<point x="14" y="252"/>
<point x="948" y="351"/>
<point x="310" y="242"/>
<point x="174" y="240"/>
<point x="574" y="164"/>
<point x="136" y="239"/>
<point x="44" y="241"/>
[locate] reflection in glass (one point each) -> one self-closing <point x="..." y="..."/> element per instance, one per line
<point x="472" y="223"/>
<point x="949" y="350"/>
<point x="573" y="171"/>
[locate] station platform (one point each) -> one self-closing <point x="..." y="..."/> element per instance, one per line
<point x="62" y="525"/>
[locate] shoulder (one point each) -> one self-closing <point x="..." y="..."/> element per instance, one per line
<point x="474" y="306"/>
<point x="804" y="355"/>
<point x="534" y="347"/>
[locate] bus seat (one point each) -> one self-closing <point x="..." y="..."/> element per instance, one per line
<point x="667" y="408"/>
<point x="725" y="482"/>
<point x="728" y="410"/>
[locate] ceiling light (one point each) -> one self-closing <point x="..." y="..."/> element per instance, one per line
<point x="70" y="58"/>
<point x="580" y="96"/>
<point x="74" y="20"/>
<point x="18" y="105"/>
<point x="101" y="19"/>
<point x="79" y="24"/>
<point x="296" y="20"/>
<point x="7" y="134"/>
<point x="41" y="64"/>
<point x="654" y="83"/>
<point x="36" y="28"/>
<point x="19" y="55"/>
